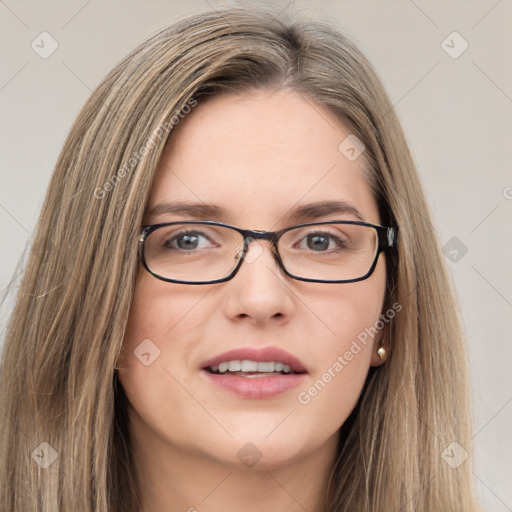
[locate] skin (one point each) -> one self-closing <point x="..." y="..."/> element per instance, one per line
<point x="258" y="155"/>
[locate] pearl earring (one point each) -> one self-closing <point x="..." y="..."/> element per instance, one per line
<point x="382" y="354"/>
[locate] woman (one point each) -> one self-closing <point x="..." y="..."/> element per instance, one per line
<point x="235" y="296"/>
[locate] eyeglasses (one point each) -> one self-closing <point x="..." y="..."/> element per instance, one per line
<point x="207" y="252"/>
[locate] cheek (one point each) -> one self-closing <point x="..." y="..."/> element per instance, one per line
<point x="336" y="383"/>
<point x="155" y="358"/>
<point x="150" y="323"/>
<point x="348" y="313"/>
<point x="341" y="355"/>
<point x="160" y="315"/>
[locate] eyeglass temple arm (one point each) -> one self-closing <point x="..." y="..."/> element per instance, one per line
<point x="387" y="237"/>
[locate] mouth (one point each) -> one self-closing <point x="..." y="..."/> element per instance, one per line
<point x="255" y="373"/>
<point x="248" y="368"/>
<point x="251" y="362"/>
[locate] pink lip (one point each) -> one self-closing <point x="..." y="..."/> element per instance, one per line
<point x="255" y="354"/>
<point x="256" y="387"/>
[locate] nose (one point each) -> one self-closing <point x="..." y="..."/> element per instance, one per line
<point x="260" y="290"/>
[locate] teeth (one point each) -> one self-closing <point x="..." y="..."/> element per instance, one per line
<point x="249" y="366"/>
<point x="235" y="366"/>
<point x="257" y="375"/>
<point x="252" y="366"/>
<point x="266" y="366"/>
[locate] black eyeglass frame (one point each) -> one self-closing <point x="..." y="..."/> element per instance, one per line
<point x="387" y="239"/>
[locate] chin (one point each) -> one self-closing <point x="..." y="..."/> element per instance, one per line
<point x="258" y="453"/>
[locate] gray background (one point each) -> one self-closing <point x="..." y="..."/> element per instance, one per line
<point x="456" y="111"/>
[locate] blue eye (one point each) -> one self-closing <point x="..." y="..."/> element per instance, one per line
<point x="322" y="242"/>
<point x="186" y="241"/>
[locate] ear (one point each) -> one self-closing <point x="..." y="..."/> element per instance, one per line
<point x="382" y="339"/>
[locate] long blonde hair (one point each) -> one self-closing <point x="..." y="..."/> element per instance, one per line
<point x="58" y="385"/>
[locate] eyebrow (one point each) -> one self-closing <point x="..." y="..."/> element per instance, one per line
<point x="303" y="213"/>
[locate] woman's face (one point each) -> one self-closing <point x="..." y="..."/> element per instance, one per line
<point x="258" y="158"/>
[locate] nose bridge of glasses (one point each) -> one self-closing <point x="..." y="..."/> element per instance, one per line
<point x="255" y="235"/>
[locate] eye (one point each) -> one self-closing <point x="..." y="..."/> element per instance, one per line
<point x="187" y="241"/>
<point x="321" y="241"/>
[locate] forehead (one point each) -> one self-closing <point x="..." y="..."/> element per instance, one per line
<point x="259" y="155"/>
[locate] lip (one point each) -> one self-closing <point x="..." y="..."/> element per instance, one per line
<point x="255" y="354"/>
<point x="256" y="387"/>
